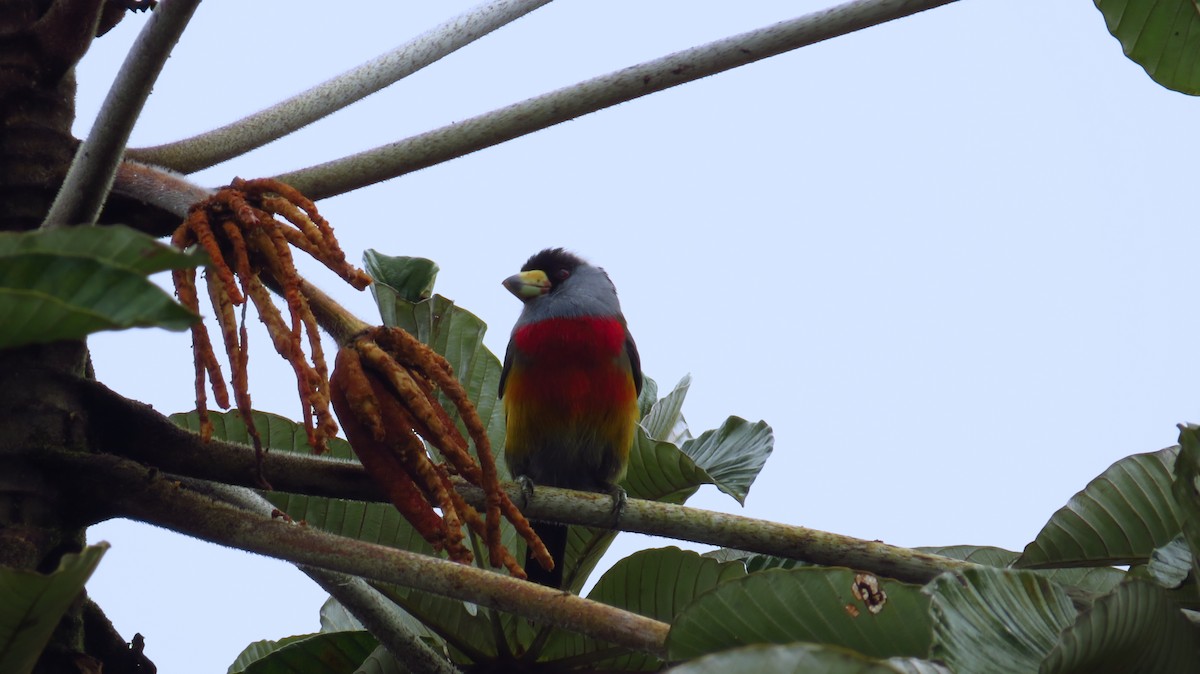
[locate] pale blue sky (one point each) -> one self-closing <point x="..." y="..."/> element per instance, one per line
<point x="949" y="259"/>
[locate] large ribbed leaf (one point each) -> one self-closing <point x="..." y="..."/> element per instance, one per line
<point x="1097" y="579"/>
<point x="1186" y="489"/>
<point x="656" y="583"/>
<point x="117" y="245"/>
<point x="448" y="329"/>
<point x="818" y="604"/>
<point x="985" y="616"/>
<point x="664" y="421"/>
<point x="733" y="454"/>
<point x="380" y="661"/>
<point x="1170" y="565"/>
<point x="31" y="604"/>
<point x="68" y="283"/>
<point x="794" y="659"/>
<point x="1162" y="36"/>
<point x="322" y="653"/>
<point x="754" y="561"/>
<point x="409" y="279"/>
<point x="277" y="432"/>
<point x="1119" y="518"/>
<point x="1135" y="629"/>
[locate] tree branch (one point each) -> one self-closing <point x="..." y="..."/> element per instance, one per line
<point x="135" y="430"/>
<point x="149" y="496"/>
<point x="377" y="613"/>
<point x="279" y="120"/>
<point x="139" y="432"/>
<point x="90" y="177"/>
<point x="461" y="138"/>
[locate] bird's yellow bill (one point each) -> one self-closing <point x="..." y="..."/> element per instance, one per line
<point x="528" y="284"/>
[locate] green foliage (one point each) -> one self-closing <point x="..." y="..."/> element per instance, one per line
<point x="31" y="605"/>
<point x="1162" y="36"/>
<point x="1136" y="628"/>
<point x="321" y="653"/>
<point x="68" y="283"/>
<point x="1119" y="518"/>
<point x="986" y="616"/>
<point x="1067" y="609"/>
<point x="814" y="604"/>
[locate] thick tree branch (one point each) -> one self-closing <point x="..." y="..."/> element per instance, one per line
<point x="461" y="138"/>
<point x="132" y="429"/>
<point x="139" y="432"/>
<point x="92" y="171"/>
<point x="376" y="612"/>
<point x="279" y="120"/>
<point x="149" y="496"/>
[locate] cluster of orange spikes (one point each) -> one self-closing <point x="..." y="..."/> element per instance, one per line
<point x="250" y="246"/>
<point x="385" y="382"/>
<point x="384" y="389"/>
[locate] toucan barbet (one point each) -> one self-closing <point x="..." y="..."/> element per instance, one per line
<point x="570" y="387"/>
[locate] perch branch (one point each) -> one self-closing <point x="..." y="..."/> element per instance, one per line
<point x="277" y="121"/>
<point x="461" y="138"/>
<point x="91" y="175"/>
<point x="139" y="432"/>
<point x="146" y="495"/>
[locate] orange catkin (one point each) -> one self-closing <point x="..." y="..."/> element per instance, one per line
<point x="377" y="455"/>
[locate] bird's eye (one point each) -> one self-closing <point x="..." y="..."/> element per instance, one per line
<point x="561" y="275"/>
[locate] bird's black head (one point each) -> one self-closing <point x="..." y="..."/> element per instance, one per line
<point x="557" y="263"/>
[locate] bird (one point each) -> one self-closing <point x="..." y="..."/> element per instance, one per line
<point x="570" y="385"/>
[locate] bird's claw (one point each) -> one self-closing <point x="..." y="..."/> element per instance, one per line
<point x="620" y="498"/>
<point x="526" y="485"/>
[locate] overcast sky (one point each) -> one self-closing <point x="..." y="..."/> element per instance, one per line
<point x="949" y="259"/>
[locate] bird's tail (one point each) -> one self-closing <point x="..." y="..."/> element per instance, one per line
<point x="555" y="538"/>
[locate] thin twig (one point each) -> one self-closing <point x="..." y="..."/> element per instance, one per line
<point x="90" y="177"/>
<point x="461" y="138"/>
<point x="277" y="121"/>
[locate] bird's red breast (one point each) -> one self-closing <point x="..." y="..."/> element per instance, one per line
<point x="570" y="400"/>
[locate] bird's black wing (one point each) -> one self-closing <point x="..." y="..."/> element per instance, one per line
<point x="635" y="362"/>
<point x="508" y="357"/>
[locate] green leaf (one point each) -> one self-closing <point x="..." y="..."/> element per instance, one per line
<point x="322" y="653"/>
<point x="753" y="561"/>
<point x="656" y="583"/>
<point x="409" y="279"/>
<point x="1119" y="518"/>
<point x="733" y="454"/>
<point x="648" y="398"/>
<point x="1162" y="36"/>
<point x="1186" y="490"/>
<point x="47" y="298"/>
<point x="278" y="432"/>
<point x="31" y="604"/>
<point x="1098" y="579"/>
<point x="664" y="420"/>
<point x="380" y="661"/>
<point x="987" y="616"/>
<point x="793" y="659"/>
<point x="116" y="246"/>
<point x="456" y="334"/>
<point x="1136" y="628"/>
<point x="818" y="604"/>
<point x="1170" y="564"/>
<point x="335" y="618"/>
<point x="70" y="282"/>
